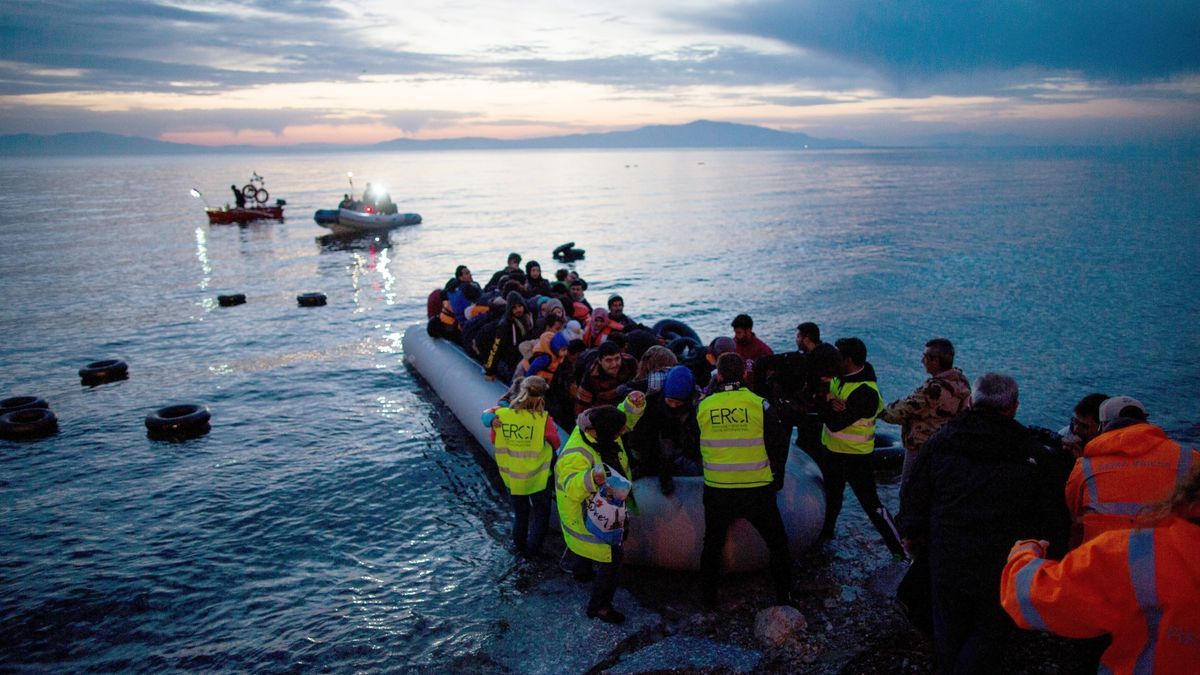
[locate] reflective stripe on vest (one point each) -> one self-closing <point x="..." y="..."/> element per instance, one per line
<point x="521" y="453"/>
<point x="1142" y="576"/>
<point x="1130" y="509"/>
<point x="859" y="437"/>
<point x="731" y="440"/>
<point x="1025" y="597"/>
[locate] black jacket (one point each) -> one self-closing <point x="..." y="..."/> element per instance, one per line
<point x="982" y="482"/>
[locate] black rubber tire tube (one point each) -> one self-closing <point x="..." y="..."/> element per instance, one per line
<point x="100" y="372"/>
<point x="311" y="299"/>
<point x="186" y="420"/>
<point x="22" y="403"/>
<point x="28" y="423"/>
<point x="231" y="299"/>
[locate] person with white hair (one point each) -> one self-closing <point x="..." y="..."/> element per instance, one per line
<point x="981" y="482"/>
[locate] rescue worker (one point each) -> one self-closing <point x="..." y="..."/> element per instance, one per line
<point x="1140" y="586"/>
<point x="525" y="438"/>
<point x="239" y="199"/>
<point x="736" y="427"/>
<point x="848" y="434"/>
<point x="578" y="474"/>
<point x="1130" y="465"/>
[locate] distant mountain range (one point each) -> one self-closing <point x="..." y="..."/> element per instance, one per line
<point x="698" y="134"/>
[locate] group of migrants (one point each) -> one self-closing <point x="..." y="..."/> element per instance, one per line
<point x="1090" y="532"/>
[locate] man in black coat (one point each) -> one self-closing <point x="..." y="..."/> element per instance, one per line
<point x="983" y="482"/>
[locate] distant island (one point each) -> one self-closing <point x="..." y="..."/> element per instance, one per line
<point x="698" y="134"/>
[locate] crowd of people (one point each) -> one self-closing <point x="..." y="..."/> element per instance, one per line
<point x="1090" y="532"/>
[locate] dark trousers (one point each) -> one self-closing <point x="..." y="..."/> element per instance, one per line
<point x="604" y="586"/>
<point x="757" y="505"/>
<point x="839" y="468"/>
<point x="969" y="631"/>
<point x="531" y="519"/>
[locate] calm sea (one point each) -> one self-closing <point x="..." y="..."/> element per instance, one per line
<point x="336" y="516"/>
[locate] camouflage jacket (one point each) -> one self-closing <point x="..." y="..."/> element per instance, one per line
<point x="939" y="399"/>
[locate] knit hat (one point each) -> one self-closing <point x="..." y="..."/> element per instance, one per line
<point x="545" y="308"/>
<point x="559" y="341"/>
<point x="573" y="330"/>
<point x="680" y="384"/>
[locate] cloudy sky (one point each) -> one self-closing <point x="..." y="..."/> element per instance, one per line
<point x="882" y="71"/>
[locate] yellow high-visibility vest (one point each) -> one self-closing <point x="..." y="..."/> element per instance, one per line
<point x="731" y="440"/>
<point x="859" y="437"/>
<point x="522" y="454"/>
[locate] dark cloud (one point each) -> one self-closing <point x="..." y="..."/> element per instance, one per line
<point x="137" y="46"/>
<point x="911" y="41"/>
<point x="690" y="66"/>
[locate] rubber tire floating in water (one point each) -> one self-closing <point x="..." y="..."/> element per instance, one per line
<point x="178" y="422"/>
<point x="102" y="372"/>
<point x="231" y="300"/>
<point x="311" y="299"/>
<point x="28" y="423"/>
<point x="567" y="253"/>
<point x="21" y="403"/>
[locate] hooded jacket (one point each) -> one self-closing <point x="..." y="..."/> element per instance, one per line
<point x="510" y="332"/>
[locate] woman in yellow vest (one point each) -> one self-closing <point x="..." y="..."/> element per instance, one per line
<point x="525" y="438"/>
<point x="578" y="474"/>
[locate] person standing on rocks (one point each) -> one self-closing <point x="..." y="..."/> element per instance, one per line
<point x="736" y="428"/>
<point x="942" y="396"/>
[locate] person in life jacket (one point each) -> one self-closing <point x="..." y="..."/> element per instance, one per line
<point x="525" y="437"/>
<point x="1141" y="586"/>
<point x="593" y="449"/>
<point x="598" y="328"/>
<point x="545" y="357"/>
<point x="848" y="415"/>
<point x="735" y="427"/>
<point x="1129" y="466"/>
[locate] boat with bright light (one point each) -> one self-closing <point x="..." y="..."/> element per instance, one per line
<point x="364" y="218"/>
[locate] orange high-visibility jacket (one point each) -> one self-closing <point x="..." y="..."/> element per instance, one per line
<point x="1142" y="586"/>
<point x="1122" y="471"/>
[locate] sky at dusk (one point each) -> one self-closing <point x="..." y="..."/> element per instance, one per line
<point x="883" y="72"/>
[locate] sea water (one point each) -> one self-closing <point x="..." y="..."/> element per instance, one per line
<point x="337" y="516"/>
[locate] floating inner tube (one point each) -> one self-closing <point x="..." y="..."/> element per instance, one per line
<point x="177" y="422"/>
<point x="21" y="403"/>
<point x="311" y="299"/>
<point x="685" y="349"/>
<point x="669" y="329"/>
<point x="567" y="252"/>
<point x="231" y="300"/>
<point x="100" y="372"/>
<point x="27" y="423"/>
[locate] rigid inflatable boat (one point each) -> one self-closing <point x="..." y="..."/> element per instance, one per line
<point x="667" y="532"/>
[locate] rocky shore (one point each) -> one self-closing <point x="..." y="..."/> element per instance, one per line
<point x="847" y="622"/>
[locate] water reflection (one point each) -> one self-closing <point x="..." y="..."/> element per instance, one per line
<point x="366" y="241"/>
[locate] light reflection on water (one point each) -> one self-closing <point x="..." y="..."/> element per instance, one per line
<point x="335" y="517"/>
